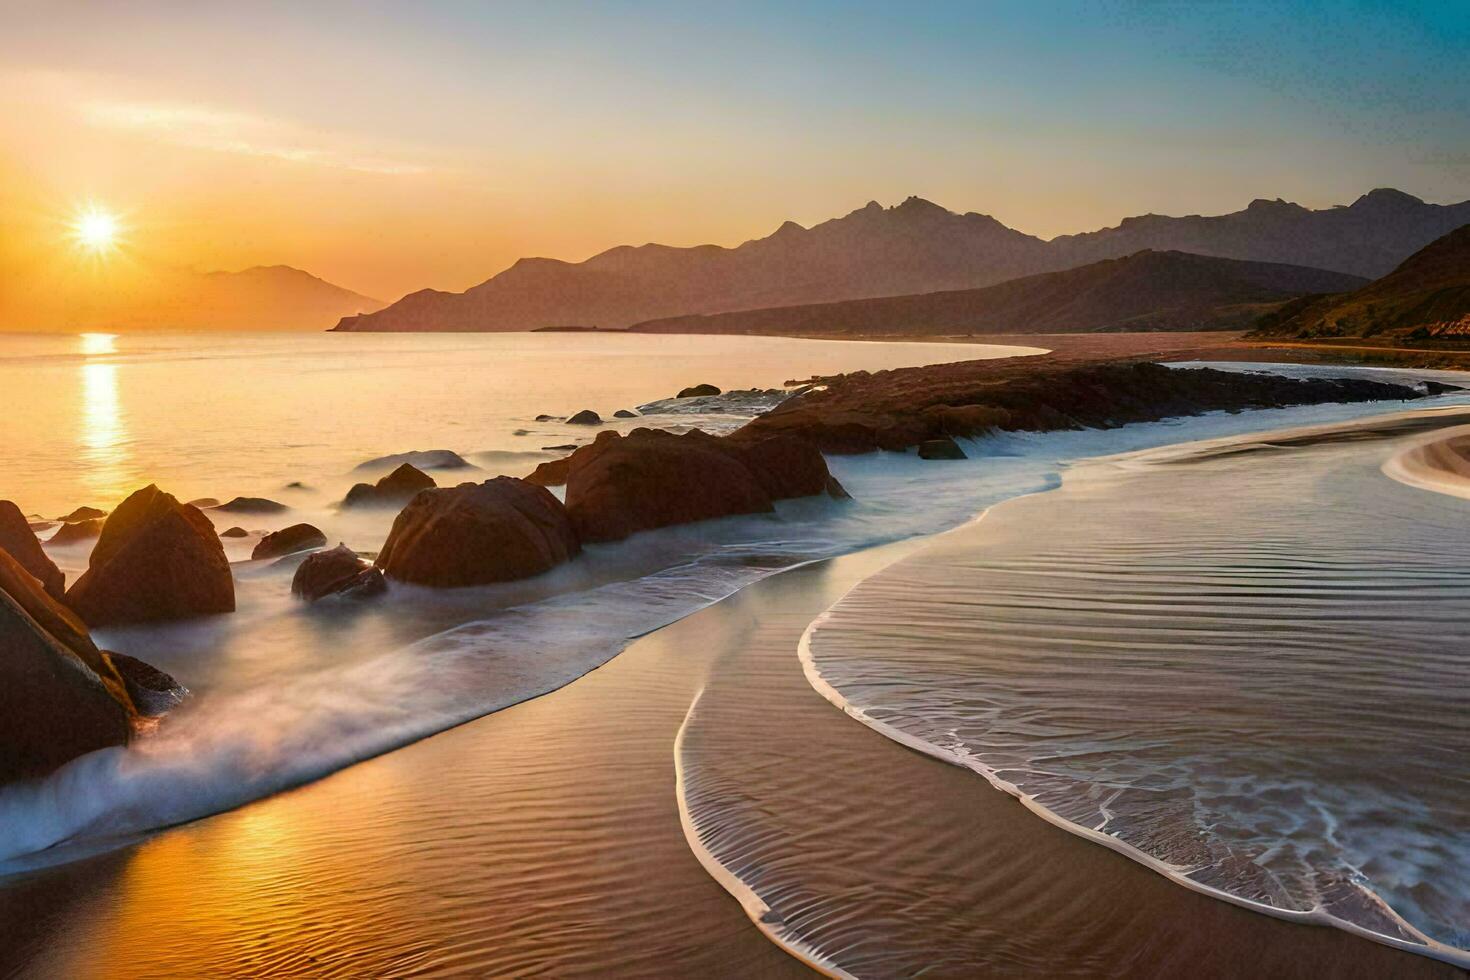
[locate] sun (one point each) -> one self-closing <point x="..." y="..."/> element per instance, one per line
<point x="96" y="229"/>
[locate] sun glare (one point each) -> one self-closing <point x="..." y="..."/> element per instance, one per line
<point x="96" y="229"/>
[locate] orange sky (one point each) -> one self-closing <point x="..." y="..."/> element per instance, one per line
<point x="391" y="147"/>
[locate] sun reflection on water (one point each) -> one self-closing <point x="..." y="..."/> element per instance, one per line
<point x="104" y="435"/>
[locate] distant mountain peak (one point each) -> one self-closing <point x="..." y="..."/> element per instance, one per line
<point x="915" y="246"/>
<point x="1262" y="204"/>
<point x="1388" y="197"/>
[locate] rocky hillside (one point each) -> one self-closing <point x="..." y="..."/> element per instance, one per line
<point x="1427" y="296"/>
<point x="915" y="247"/>
<point x="1146" y="291"/>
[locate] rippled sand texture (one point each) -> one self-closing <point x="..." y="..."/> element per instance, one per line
<point x="1248" y="662"/>
<point x="546" y="840"/>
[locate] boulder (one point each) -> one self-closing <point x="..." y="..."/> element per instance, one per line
<point x="337" y="572"/>
<point x="78" y="531"/>
<point x="289" y="540"/>
<point x="478" y="533"/>
<point x="696" y="391"/>
<point x="624" y="413"/>
<point x="252" y="505"/>
<point x="234" y="532"/>
<point x="424" y="459"/>
<point x="941" y="448"/>
<point x="60" y="697"/>
<point x="17" y="538"/>
<point x="548" y="418"/>
<point x="585" y="417"/>
<point x="650" y="478"/>
<point x="156" y="559"/>
<point x="152" y="691"/>
<point x="83" y="514"/>
<point x="394" y="489"/>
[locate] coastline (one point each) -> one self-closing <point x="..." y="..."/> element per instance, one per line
<point x="585" y="776"/>
<point x="1082" y="350"/>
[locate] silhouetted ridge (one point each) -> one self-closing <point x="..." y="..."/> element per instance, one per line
<point x="914" y="247"/>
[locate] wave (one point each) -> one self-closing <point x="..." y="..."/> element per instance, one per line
<point x="1350" y="904"/>
<point x="698" y="833"/>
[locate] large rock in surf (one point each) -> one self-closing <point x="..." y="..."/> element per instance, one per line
<point x="337" y="572"/>
<point x="252" y="505"/>
<point x="60" y="697"/>
<point x="478" y="533"/>
<point x="942" y="448"/>
<point x="585" y="417"/>
<point x="288" y="541"/>
<point x="649" y="478"/>
<point x="77" y="531"/>
<point x="17" y="538"/>
<point x="83" y="514"/>
<point x="424" y="459"/>
<point x="698" y="391"/>
<point x="156" y="559"/>
<point x="392" y="490"/>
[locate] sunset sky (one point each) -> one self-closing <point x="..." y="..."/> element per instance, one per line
<point x="389" y="146"/>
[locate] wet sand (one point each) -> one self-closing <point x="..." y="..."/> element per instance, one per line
<point x="1440" y="463"/>
<point x="546" y="839"/>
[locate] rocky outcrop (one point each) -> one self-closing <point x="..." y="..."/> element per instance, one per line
<point x="77" y="532"/>
<point x="478" y="533"/>
<point x="624" y="413"/>
<point x="252" y="505"/>
<point x="234" y="532"/>
<point x="649" y="478"/>
<point x="585" y="417"/>
<point x="17" y="538"/>
<point x="289" y="540"/>
<point x="697" y="391"/>
<point x="204" y="503"/>
<point x="83" y="514"/>
<point x="156" y="559"/>
<point x="392" y="490"/>
<point x="338" y="571"/>
<point x="60" y="696"/>
<point x="894" y="410"/>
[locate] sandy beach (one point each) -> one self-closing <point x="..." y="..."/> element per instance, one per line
<point x="546" y="837"/>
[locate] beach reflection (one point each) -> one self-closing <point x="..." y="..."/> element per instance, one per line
<point x="103" y="438"/>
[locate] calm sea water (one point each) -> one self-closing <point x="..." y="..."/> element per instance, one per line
<point x="87" y="419"/>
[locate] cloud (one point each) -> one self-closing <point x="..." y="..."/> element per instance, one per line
<point x="222" y="131"/>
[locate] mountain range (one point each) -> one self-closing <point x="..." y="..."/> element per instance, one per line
<point x="1426" y="296"/>
<point x="913" y="247"/>
<point x="275" y="297"/>
<point x="1145" y="291"/>
<point x="138" y="295"/>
